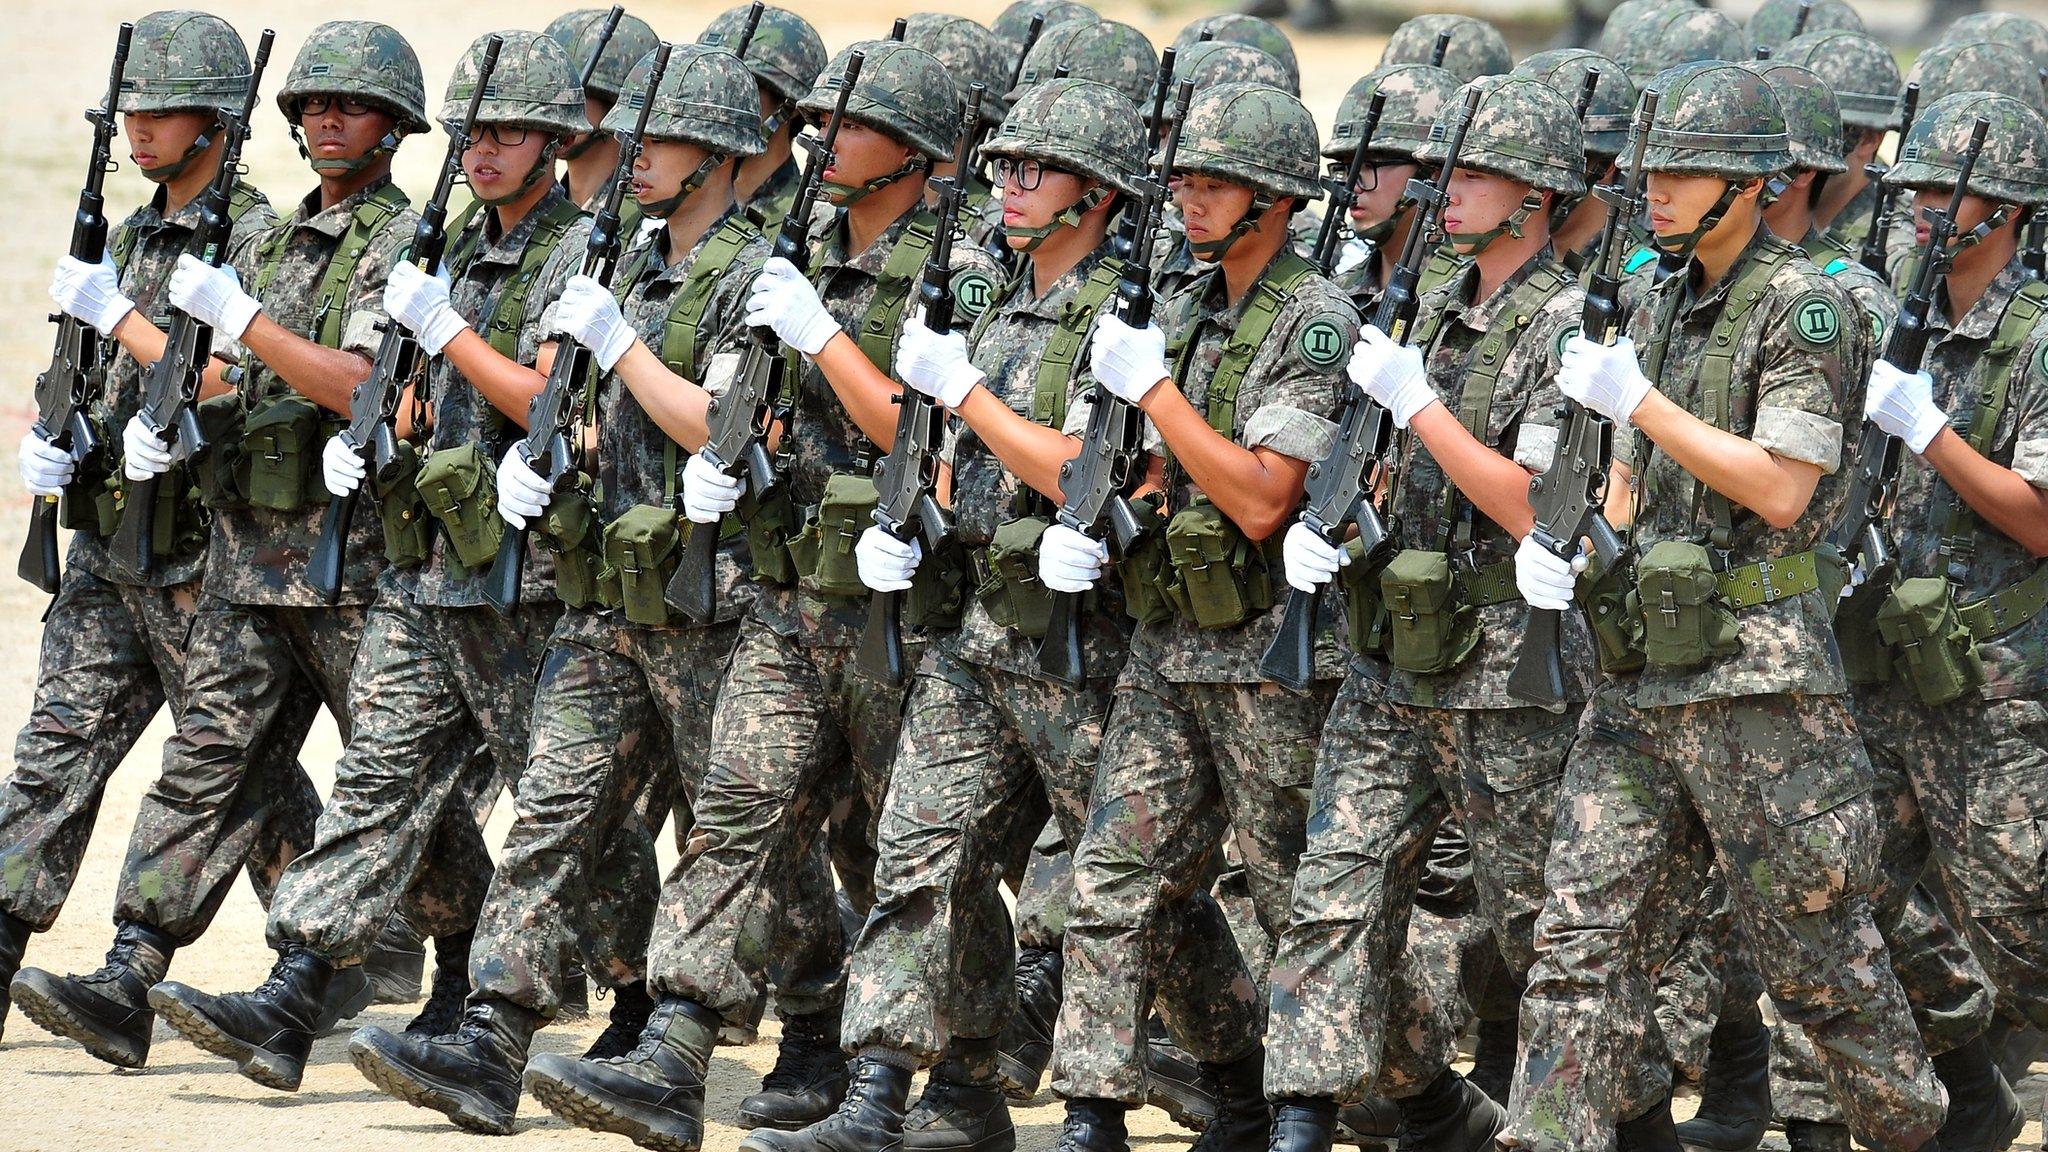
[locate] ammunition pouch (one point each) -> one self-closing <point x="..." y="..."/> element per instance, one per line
<point x="1216" y="577"/>
<point x="1922" y="626"/>
<point x="281" y="442"/>
<point x="84" y="505"/>
<point x="1143" y="568"/>
<point x="1431" y="628"/>
<point x="641" y="549"/>
<point x="459" y="486"/>
<point x="221" y="471"/>
<point x="772" y="526"/>
<point x="1865" y="658"/>
<point x="938" y="592"/>
<point x="1010" y="589"/>
<point x="823" y="550"/>
<point x="1358" y="582"/>
<point x="570" y="531"/>
<point x="1685" y="622"/>
<point x="408" y="534"/>
<point x="1605" y="599"/>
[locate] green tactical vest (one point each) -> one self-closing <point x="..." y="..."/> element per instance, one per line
<point x="2022" y="313"/>
<point x="1269" y="296"/>
<point x="241" y="200"/>
<point x="1064" y="345"/>
<point x="501" y="328"/>
<point x="369" y="218"/>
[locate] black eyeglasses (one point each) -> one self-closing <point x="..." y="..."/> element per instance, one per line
<point x="321" y="105"/>
<point x="507" y="135"/>
<point x="1028" y="174"/>
<point x="1368" y="174"/>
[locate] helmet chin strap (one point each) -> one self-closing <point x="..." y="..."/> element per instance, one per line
<point x="542" y="167"/>
<point x="663" y="209"/>
<point x="1682" y="246"/>
<point x="165" y="173"/>
<point x="847" y="195"/>
<point x="1992" y="223"/>
<point x="1068" y="217"/>
<point x="1472" y="244"/>
<point x="385" y="147"/>
<point x="1211" y="251"/>
<point x="773" y="122"/>
<point x="583" y="146"/>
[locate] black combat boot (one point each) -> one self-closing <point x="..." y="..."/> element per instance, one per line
<point x="1735" y="1097"/>
<point x="1303" y="1124"/>
<point x="396" y="965"/>
<point x="1450" y="1115"/>
<point x="1652" y="1131"/>
<point x="107" y="1010"/>
<point x="808" y="1079"/>
<point x="631" y="1006"/>
<point x="962" y="1108"/>
<point x="1093" y="1126"/>
<point x="1372" y="1124"/>
<point x="2015" y="1045"/>
<point x="14" y="934"/>
<point x="349" y="991"/>
<point x="267" y="1032"/>
<point x="1244" y="1120"/>
<point x="1808" y="1136"/>
<point x="575" y="1002"/>
<point x="1983" y="1113"/>
<point x="470" y="1075"/>
<point x="1493" y="1057"/>
<point x="1174" y="1081"/>
<point x="653" y="1095"/>
<point x="868" y="1119"/>
<point x="442" y="1013"/>
<point x="1026" y="1045"/>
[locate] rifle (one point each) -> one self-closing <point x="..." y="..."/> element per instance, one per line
<point x="2034" y="254"/>
<point x="1336" y="490"/>
<point x="1567" y="497"/>
<point x="548" y="446"/>
<point x="1096" y="484"/>
<point x="907" y="479"/>
<point x="1031" y="36"/>
<point x="1874" y="241"/>
<point x="170" y="390"/>
<point x="753" y="24"/>
<point x="1800" y="18"/>
<point x="604" y="39"/>
<point x="65" y="390"/>
<point x="372" y="431"/>
<point x="1440" y="49"/>
<point x="1861" y="535"/>
<point x="1343" y="196"/>
<point x="740" y="421"/>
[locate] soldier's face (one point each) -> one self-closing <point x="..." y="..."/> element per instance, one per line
<point x="334" y="133"/>
<point x="861" y="154"/>
<point x="1678" y="200"/>
<point x="1480" y="202"/>
<point x="494" y="167"/>
<point x="1035" y="207"/>
<point x="159" y="138"/>
<point x="1210" y="207"/>
<point x="1974" y="211"/>
<point x="662" y="167"/>
<point x="1379" y="193"/>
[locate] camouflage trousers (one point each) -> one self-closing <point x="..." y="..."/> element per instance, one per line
<point x="1775" y="791"/>
<point x="1182" y="763"/>
<point x="796" y="730"/>
<point x="438" y="699"/>
<point x="1388" y="776"/>
<point x="1044" y="890"/>
<point x="111" y="655"/>
<point x="249" y="669"/>
<point x="621" y="720"/>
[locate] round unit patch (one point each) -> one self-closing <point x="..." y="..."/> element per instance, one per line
<point x="1563" y="338"/>
<point x="1322" y="343"/>
<point x="972" y="293"/>
<point x="1816" y="321"/>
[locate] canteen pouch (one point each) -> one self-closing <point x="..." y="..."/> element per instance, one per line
<point x="459" y="486"/>
<point x="281" y="449"/>
<point x="1012" y="593"/>
<point x="221" y="470"/>
<point x="82" y="507"/>
<point x="1217" y="577"/>
<point x="1617" y="632"/>
<point x="1864" y="655"/>
<point x="408" y="534"/>
<point x="772" y="527"/>
<point x="823" y="551"/>
<point x="938" y="590"/>
<point x="1685" y="623"/>
<point x="1143" y="568"/>
<point x="569" y="530"/>
<point x="640" y="548"/>
<point x="1430" y="628"/>
<point x="1358" y="582"/>
<point x="1919" y="623"/>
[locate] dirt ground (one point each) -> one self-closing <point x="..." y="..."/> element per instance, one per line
<point x="52" y="1096"/>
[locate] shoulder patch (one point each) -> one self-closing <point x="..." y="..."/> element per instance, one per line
<point x="1643" y="257"/>
<point x="973" y="292"/>
<point x="1322" y="342"/>
<point x="1816" y="321"/>
<point x="1564" y="336"/>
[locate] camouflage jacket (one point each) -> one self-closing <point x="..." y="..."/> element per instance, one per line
<point x="1852" y="225"/>
<point x="772" y="201"/>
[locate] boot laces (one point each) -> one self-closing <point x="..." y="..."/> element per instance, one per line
<point x="442" y="1012"/>
<point x="274" y="984"/>
<point x="799" y="1060"/>
<point x="120" y="960"/>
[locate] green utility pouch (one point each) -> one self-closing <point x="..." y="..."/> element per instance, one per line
<point x="1685" y="622"/>
<point x="1865" y="658"/>
<point x="640" y="548"/>
<point x="570" y="531"/>
<point x="1925" y="631"/>
<point x="772" y="528"/>
<point x="408" y="534"/>
<point x="1011" y="590"/>
<point x="221" y="471"/>
<point x="938" y="590"/>
<point x="1617" y="630"/>
<point x="1143" y="569"/>
<point x="1365" y="617"/>
<point x="106" y="505"/>
<point x="823" y="551"/>
<point x="281" y="445"/>
<point x="459" y="486"/>
<point x="1430" y="627"/>
<point x="1217" y="578"/>
<point x="86" y="502"/>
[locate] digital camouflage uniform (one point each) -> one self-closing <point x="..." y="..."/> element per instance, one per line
<point x="1414" y="95"/>
<point x="1864" y="77"/>
<point x="1196" y="736"/>
<point x="1749" y="761"/>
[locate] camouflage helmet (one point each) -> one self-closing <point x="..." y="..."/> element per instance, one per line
<point x="2013" y="168"/>
<point x="1238" y="28"/>
<point x="1682" y="35"/>
<point x="1415" y="94"/>
<point x="363" y="60"/>
<point x="1215" y="62"/>
<point x="1604" y="128"/>
<point x="1862" y="73"/>
<point x="1476" y="48"/>
<point x="972" y="55"/>
<point x="532" y="85"/>
<point x="2022" y="32"/>
<point x="1015" y="22"/>
<point x="1717" y="119"/>
<point x="1252" y="135"/>
<point x="180" y="61"/>
<point x="577" y="33"/>
<point x="902" y="91"/>
<point x="707" y="98"/>
<point x="1078" y="126"/>
<point x="1813" y="121"/>
<point x="1104" y="51"/>
<point x="1976" y="66"/>
<point x="786" y="53"/>
<point x="1772" y="23"/>
<point x="1523" y="130"/>
<point x="1621" y="24"/>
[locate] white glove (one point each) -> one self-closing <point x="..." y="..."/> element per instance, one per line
<point x="1603" y="377"/>
<point x="340" y="468"/>
<point x="1068" y="561"/>
<point x="213" y="296"/>
<point x="589" y="312"/>
<point x="1902" y="403"/>
<point x="1311" y="560"/>
<point x="1391" y="374"/>
<point x="420" y="302"/>
<point x="45" y="468"/>
<point x="936" y="364"/>
<point x="783" y="300"/>
<point x="143" y="455"/>
<point x="90" y="292"/>
<point x="885" y="563"/>
<point x="708" y="493"/>
<point x="1128" y="361"/>
<point x="1543" y="579"/>
<point x="522" y="493"/>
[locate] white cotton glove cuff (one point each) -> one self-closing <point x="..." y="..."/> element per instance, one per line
<point x="1311" y="561"/>
<point x="1128" y="361"/>
<point x="589" y="312"/>
<point x="885" y="563"/>
<point x="143" y="455"/>
<point x="340" y="468"/>
<point x="1392" y="374"/>
<point x="440" y="326"/>
<point x="1543" y="578"/>
<point x="1902" y="403"/>
<point x="45" y="468"/>
<point x="91" y="292"/>
<point x="708" y="493"/>
<point x="936" y="364"/>
<point x="1605" y="378"/>
<point x="1068" y="561"/>
<point x="213" y="296"/>
<point x="522" y="493"/>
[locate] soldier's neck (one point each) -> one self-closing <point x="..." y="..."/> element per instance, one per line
<point x="336" y="187"/>
<point x="1064" y="249"/>
<point x="1253" y="252"/>
<point x="873" y="214"/>
<point x="697" y="213"/>
<point x="755" y="170"/>
<point x="191" y="183"/>
<point x="1506" y="255"/>
<point x="1970" y="277"/>
<point x="1790" y="219"/>
<point x="1718" y="250"/>
<point x="508" y="216"/>
<point x="588" y="172"/>
<point x="1841" y="188"/>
